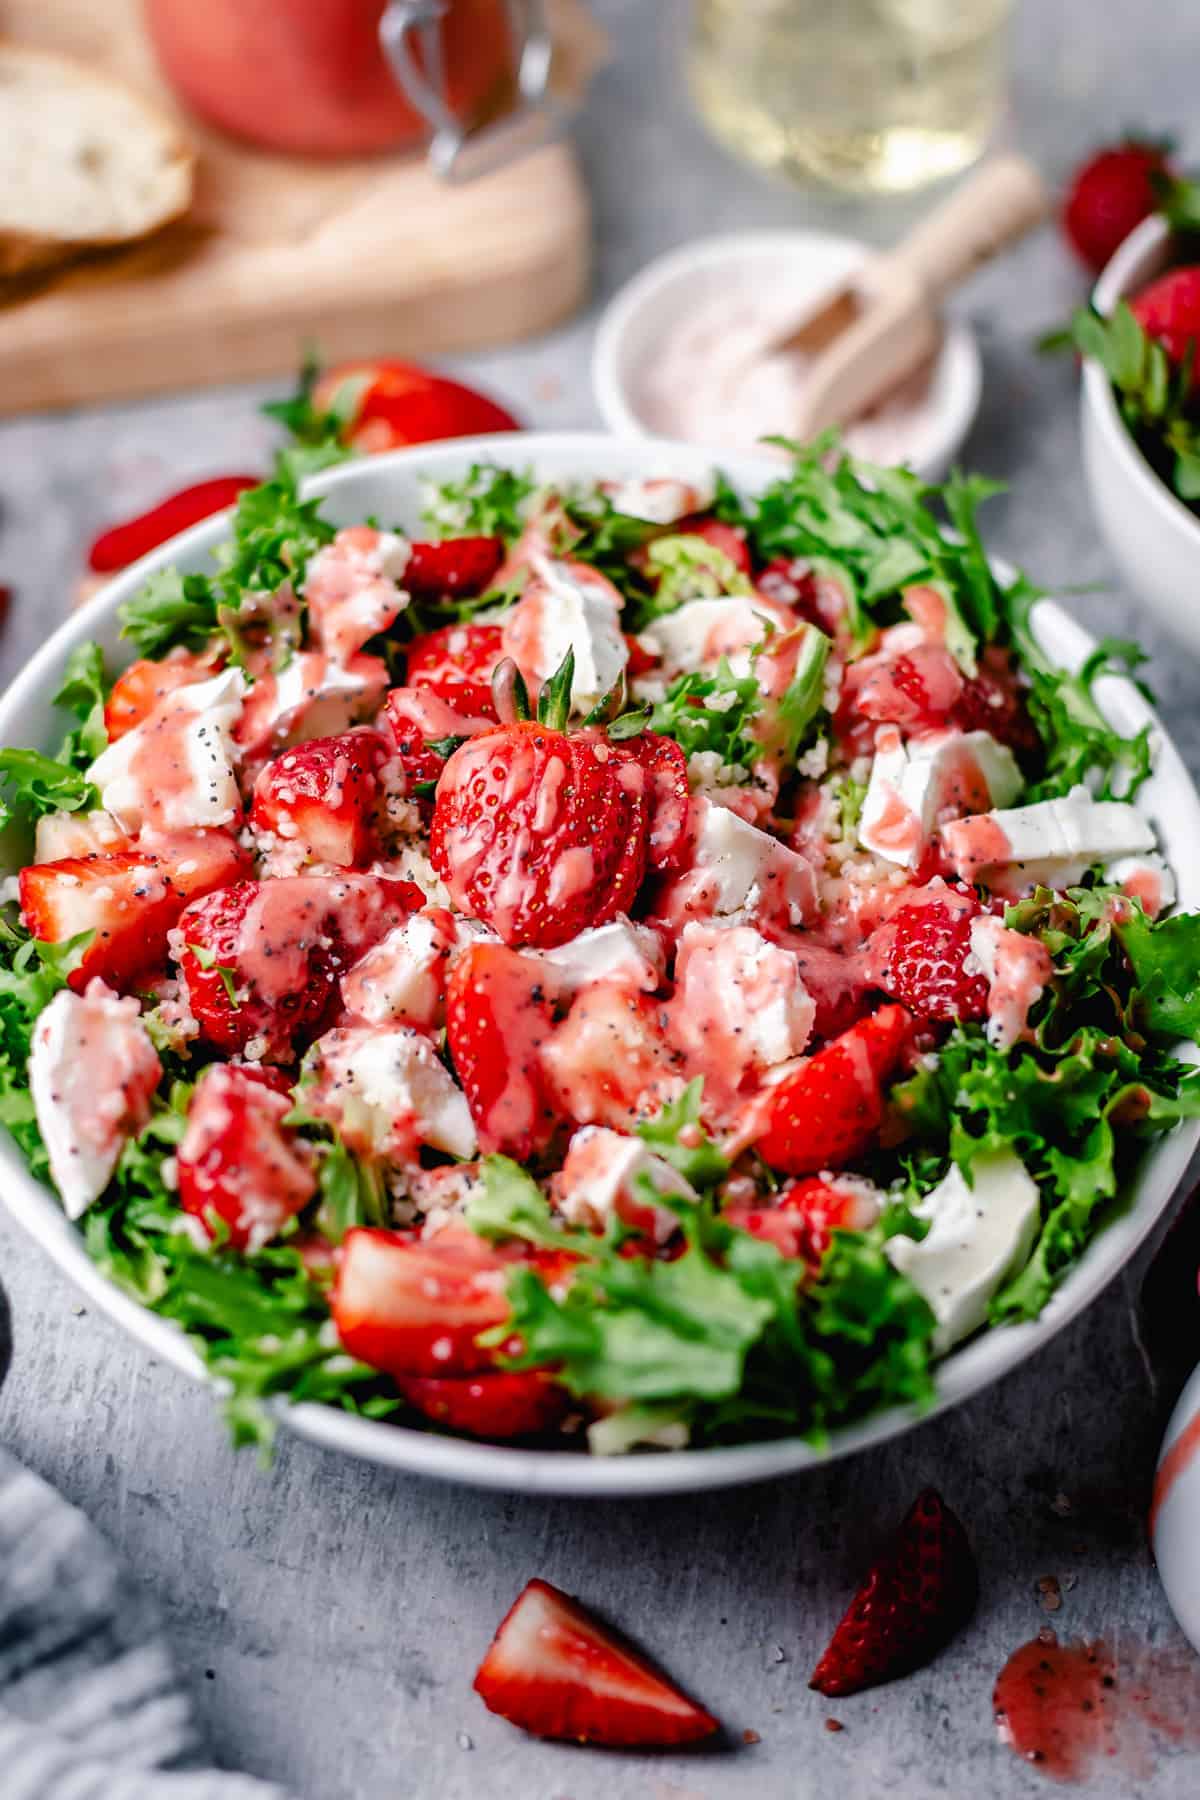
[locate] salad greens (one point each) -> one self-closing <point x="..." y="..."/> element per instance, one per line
<point x="717" y="1338"/>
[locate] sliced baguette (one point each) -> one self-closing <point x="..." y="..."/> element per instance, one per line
<point x="84" y="161"/>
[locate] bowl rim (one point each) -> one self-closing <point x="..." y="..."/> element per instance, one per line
<point x="959" y="357"/>
<point x="36" y="1209"/>
<point x="1127" y="269"/>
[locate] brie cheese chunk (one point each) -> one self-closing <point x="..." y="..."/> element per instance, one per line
<point x="598" y="1176"/>
<point x="562" y="609"/>
<point x="737" y="867"/>
<point x="402" y="978"/>
<point x="1051" y="843"/>
<point x="388" y="1092"/>
<point x="660" y="500"/>
<point x="618" y="951"/>
<point x="92" y="1070"/>
<point x="913" y="784"/>
<point x="978" y="1236"/>
<point x="739" y="1004"/>
<point x="176" y="770"/>
<point x="698" y="633"/>
<point x="1148" y="879"/>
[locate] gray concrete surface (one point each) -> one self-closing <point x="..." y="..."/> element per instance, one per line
<point x="329" y="1616"/>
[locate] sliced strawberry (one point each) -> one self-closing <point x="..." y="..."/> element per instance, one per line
<point x="921" y="1591"/>
<point x="820" y="594"/>
<point x="498" y="1013"/>
<point x="322" y="795"/>
<point x="555" y="1671"/>
<point x="919" y="957"/>
<point x="668" y="798"/>
<point x="137" y="691"/>
<point x="993" y="701"/>
<point x="130" y="899"/>
<point x="454" y="569"/>
<point x="424" y="728"/>
<point x="640" y="660"/>
<point x="456" y="663"/>
<point x="806" y="1215"/>
<point x="409" y="1305"/>
<point x="730" y="540"/>
<point x="262" y="959"/>
<point x="828" y="1112"/>
<point x="238" y="1160"/>
<point x="916" y="690"/>
<point x="501" y="1404"/>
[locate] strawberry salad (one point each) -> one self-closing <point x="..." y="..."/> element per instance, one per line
<point x="1149" y="346"/>
<point x="629" y="965"/>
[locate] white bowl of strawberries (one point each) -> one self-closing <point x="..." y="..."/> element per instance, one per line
<point x="369" y="1254"/>
<point x="1138" y="407"/>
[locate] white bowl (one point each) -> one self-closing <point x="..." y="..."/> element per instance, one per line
<point x="1175" y="1511"/>
<point x="639" y="317"/>
<point x="388" y="486"/>
<point x="1153" y="537"/>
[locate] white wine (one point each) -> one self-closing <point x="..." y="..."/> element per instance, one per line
<point x="877" y="95"/>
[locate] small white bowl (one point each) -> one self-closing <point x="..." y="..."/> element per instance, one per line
<point x="639" y="317"/>
<point x="1175" y="1511"/>
<point x="1153" y="537"/>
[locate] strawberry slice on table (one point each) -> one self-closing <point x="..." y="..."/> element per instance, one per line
<point x="262" y="959"/>
<point x="129" y="899"/>
<point x="557" y="1672"/>
<point x="385" y="404"/>
<point x="139" y="688"/>
<point x="919" y="957"/>
<point x="1109" y="195"/>
<point x="322" y="795"/>
<point x="122" y="544"/>
<point x="456" y="662"/>
<point x="238" y="1160"/>
<point x="498" y="1013"/>
<point x="502" y="1403"/>
<point x="537" y="830"/>
<point x="456" y="569"/>
<point x="415" y="1306"/>
<point x="1169" y="310"/>
<point x="829" y="1110"/>
<point x="919" y="1594"/>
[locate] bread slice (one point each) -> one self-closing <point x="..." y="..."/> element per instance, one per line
<point x="84" y="162"/>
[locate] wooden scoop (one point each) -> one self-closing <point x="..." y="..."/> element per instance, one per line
<point x="879" y="327"/>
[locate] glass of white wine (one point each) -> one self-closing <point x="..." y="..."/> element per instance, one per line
<point x="875" y="95"/>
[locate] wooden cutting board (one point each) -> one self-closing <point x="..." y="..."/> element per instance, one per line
<point x="279" y="254"/>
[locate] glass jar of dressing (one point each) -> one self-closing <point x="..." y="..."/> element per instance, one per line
<point x="875" y="95"/>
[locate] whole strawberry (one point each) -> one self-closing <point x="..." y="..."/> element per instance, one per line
<point x="1169" y="310"/>
<point x="541" y="831"/>
<point x="1109" y="195"/>
<point x="920" y="1592"/>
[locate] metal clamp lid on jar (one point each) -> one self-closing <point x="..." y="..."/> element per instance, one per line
<point x="457" y="152"/>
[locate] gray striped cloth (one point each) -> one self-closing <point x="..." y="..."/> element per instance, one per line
<point x="90" y="1706"/>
